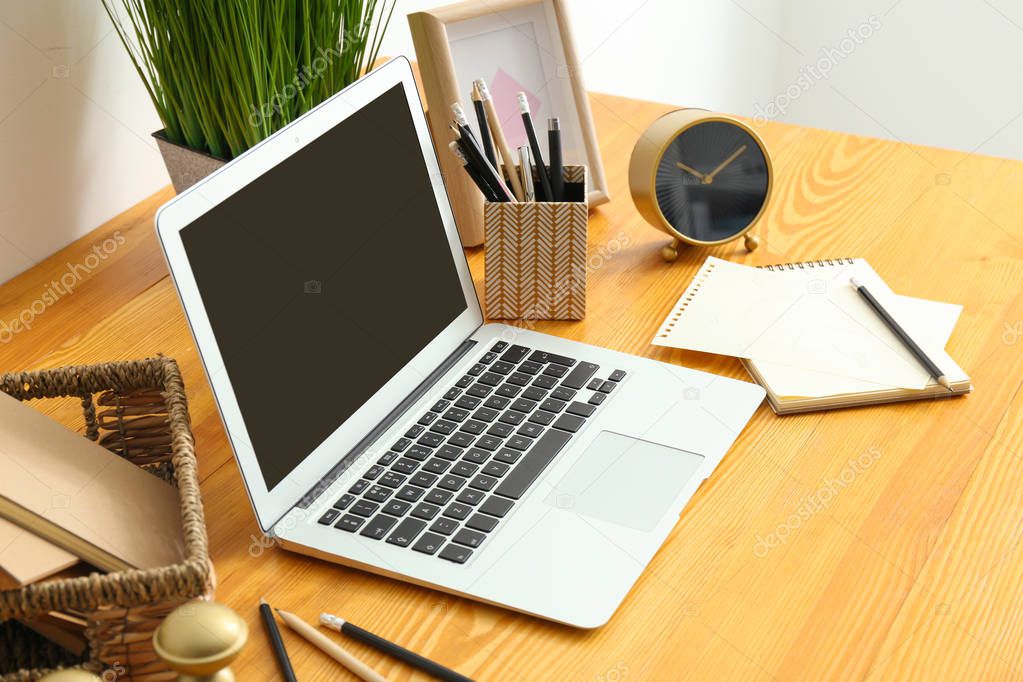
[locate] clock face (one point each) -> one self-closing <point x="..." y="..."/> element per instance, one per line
<point x="712" y="181"/>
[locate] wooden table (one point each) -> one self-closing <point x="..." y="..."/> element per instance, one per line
<point x="911" y="569"/>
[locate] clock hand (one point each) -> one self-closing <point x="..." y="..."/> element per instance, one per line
<point x="691" y="171"/>
<point x="724" y="164"/>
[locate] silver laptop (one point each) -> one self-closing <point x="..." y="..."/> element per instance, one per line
<point x="379" y="423"/>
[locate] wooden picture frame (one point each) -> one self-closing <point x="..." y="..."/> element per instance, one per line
<point x="514" y="45"/>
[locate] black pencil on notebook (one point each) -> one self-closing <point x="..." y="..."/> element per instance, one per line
<point x="904" y="337"/>
<point x="275" y="640"/>
<point x="399" y="652"/>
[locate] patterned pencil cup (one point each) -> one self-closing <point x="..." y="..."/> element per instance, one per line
<point x="535" y="255"/>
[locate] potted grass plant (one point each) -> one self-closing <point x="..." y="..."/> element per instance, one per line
<point x="225" y="74"/>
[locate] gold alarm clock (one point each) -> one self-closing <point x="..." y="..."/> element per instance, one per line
<point x="702" y="178"/>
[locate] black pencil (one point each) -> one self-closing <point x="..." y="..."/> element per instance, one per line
<point x="468" y="145"/>
<point x="474" y="174"/>
<point x="557" y="168"/>
<point x="905" y="338"/>
<point x="543" y="190"/>
<point x="399" y="652"/>
<point x="275" y="640"/>
<point x="484" y="125"/>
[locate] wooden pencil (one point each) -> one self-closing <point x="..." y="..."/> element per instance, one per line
<point x="329" y="647"/>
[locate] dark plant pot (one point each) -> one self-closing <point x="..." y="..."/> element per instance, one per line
<point x="186" y="166"/>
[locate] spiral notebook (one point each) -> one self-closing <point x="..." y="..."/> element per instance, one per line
<point x="805" y="335"/>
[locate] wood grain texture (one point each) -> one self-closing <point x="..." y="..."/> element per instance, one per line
<point x="897" y="528"/>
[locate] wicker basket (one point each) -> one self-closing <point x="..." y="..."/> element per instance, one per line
<point x="137" y="410"/>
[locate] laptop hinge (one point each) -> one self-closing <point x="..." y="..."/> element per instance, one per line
<point x="397" y="413"/>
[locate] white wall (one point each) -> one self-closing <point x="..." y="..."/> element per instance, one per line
<point x="75" y="121"/>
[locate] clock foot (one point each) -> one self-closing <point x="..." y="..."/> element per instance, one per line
<point x="670" y="252"/>
<point x="752" y="242"/>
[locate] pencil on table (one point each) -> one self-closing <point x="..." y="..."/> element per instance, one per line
<point x="329" y="647"/>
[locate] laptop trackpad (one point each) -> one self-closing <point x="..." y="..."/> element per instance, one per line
<point x="625" y="480"/>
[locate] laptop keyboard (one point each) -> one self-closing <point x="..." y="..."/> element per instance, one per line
<point x="461" y="467"/>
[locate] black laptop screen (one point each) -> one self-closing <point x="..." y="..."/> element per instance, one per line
<point x="323" y="278"/>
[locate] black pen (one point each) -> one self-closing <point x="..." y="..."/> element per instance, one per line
<point x="399" y="652"/>
<point x="543" y="191"/>
<point x="275" y="640"/>
<point x="477" y="177"/>
<point x="557" y="167"/>
<point x="484" y="126"/>
<point x="904" y="337"/>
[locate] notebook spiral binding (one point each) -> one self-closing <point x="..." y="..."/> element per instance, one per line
<point x="808" y="264"/>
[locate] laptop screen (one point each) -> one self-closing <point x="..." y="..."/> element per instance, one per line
<point x="323" y="278"/>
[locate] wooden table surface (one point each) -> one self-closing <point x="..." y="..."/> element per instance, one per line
<point x="792" y="561"/>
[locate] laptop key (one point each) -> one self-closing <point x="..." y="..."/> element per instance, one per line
<point x="469" y="538"/>
<point x="519" y="443"/>
<point x="452" y="393"/>
<point x="329" y="517"/>
<point x="479" y="390"/>
<point x="544" y="381"/>
<point x="427" y="418"/>
<point x="542" y="417"/>
<point x="477" y="369"/>
<point x="578" y="377"/>
<point x="508" y="456"/>
<point x="500" y="430"/>
<point x="373" y="472"/>
<point x="530" y="430"/>
<point x="595" y="384"/>
<point x="457" y="414"/>
<point x="464" y="381"/>
<point x="488" y="357"/>
<point x="502" y="367"/>
<point x="508" y="390"/>
<point x="485" y="414"/>
<point x="607" y="387"/>
<point x="462" y="439"/>
<point x="530" y="367"/>
<point x="425" y="510"/>
<point x="443" y="426"/>
<point x="499" y="346"/>
<point x="440" y="405"/>
<point x="406" y="532"/>
<point x="378" y="526"/>
<point x="437" y="496"/>
<point x="483" y="482"/>
<point x="497" y="506"/>
<point x="552" y="405"/>
<point x="489" y="443"/>
<point x="350" y="523"/>
<point x="543" y="452"/>
<point x="397" y="507"/>
<point x="444" y="526"/>
<point x="534" y="393"/>
<point x="464" y="468"/>
<point x="435" y="466"/>
<point x="497" y="402"/>
<point x="418" y="452"/>
<point x="477" y="456"/>
<point x="581" y="409"/>
<point x="359" y="486"/>
<point x="401" y="445"/>
<point x="617" y="375"/>
<point x="414" y="431"/>
<point x="469" y="496"/>
<point x="512" y="417"/>
<point x="520" y="379"/>
<point x="454" y="553"/>
<point x="457" y="510"/>
<point x="562" y="393"/>
<point x="597" y="398"/>
<point x="387" y="458"/>
<point x="557" y="371"/>
<point x="345" y="500"/>
<point x="449" y="452"/>
<point x="523" y="405"/>
<point x="490" y="379"/>
<point x="481" y="522"/>
<point x="365" y="508"/>
<point x="378" y="493"/>
<point x="569" y="422"/>
<point x="452" y="483"/>
<point x="405" y="465"/>
<point x="494" y="469"/>
<point x="515" y="354"/>
<point x="467" y="402"/>
<point x="429" y="543"/>
<point x="474" y="427"/>
<point x="410" y="493"/>
<point x="431" y="440"/>
<point x="391" y="479"/>
<point x="423" y="479"/>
